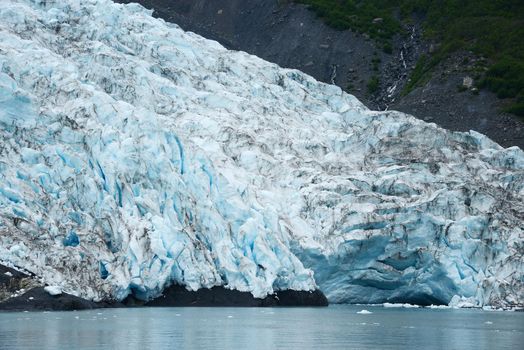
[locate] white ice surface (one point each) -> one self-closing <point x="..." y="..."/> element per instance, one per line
<point x="53" y="290"/>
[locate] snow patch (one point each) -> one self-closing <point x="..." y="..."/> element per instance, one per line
<point x="53" y="290"/>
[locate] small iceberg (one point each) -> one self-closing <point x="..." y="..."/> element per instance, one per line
<point x="406" y="306"/>
<point x="364" y="312"/>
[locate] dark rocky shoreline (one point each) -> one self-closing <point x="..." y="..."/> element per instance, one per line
<point x="14" y="297"/>
<point x="218" y="296"/>
<point x="37" y="299"/>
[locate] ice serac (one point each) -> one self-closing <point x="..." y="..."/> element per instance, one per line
<point x="135" y="156"/>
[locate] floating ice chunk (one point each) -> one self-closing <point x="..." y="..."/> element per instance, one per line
<point x="8" y="274"/>
<point x="364" y="312"/>
<point x="406" y="306"/>
<point x="439" y="306"/>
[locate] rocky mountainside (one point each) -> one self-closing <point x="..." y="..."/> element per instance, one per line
<point x="292" y="36"/>
<point x="135" y="156"/>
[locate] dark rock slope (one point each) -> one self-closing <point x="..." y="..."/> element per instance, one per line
<point x="37" y="299"/>
<point x="292" y="36"/>
<point x="14" y="283"/>
<point x="219" y="296"/>
<point x="22" y="292"/>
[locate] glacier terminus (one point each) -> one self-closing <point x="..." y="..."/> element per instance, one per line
<point x="135" y="156"/>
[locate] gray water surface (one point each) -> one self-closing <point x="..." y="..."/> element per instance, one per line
<point x="335" y="327"/>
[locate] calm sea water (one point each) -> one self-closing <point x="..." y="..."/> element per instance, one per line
<point x="335" y="327"/>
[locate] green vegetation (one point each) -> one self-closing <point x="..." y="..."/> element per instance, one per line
<point x="388" y="48"/>
<point x="375" y="61"/>
<point x="374" y="18"/>
<point x="493" y="29"/>
<point x="373" y="85"/>
<point x="506" y="79"/>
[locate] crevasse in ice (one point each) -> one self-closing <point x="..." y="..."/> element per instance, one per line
<point x="134" y="155"/>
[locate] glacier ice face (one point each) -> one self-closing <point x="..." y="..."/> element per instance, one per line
<point x="134" y="155"/>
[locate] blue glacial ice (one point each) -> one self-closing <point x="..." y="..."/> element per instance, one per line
<point x="134" y="155"/>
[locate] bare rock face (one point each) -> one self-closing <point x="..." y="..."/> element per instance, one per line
<point x="219" y="296"/>
<point x="14" y="283"/>
<point x="135" y="156"/>
<point x="467" y="82"/>
<point x="37" y="299"/>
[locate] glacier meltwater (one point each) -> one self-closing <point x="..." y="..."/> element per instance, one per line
<point x="134" y="155"/>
